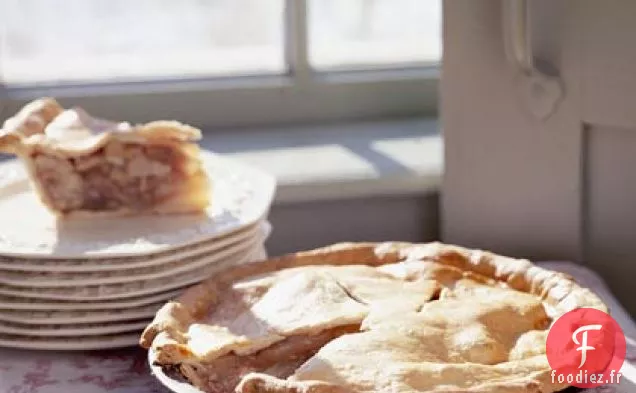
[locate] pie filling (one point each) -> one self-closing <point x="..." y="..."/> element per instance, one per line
<point x="280" y="360"/>
<point x="79" y="163"/>
<point x="118" y="175"/>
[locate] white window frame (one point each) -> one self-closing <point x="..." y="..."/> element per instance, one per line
<point x="300" y="95"/>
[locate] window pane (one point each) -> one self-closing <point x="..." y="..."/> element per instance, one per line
<point x="72" y="40"/>
<point x="373" y="33"/>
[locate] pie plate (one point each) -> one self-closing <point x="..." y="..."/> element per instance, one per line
<point x="367" y="317"/>
<point x="172" y="382"/>
<point x="241" y="196"/>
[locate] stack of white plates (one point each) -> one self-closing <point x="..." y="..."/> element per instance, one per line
<point x="90" y="284"/>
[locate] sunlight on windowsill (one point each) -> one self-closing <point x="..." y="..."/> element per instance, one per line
<point x="337" y="161"/>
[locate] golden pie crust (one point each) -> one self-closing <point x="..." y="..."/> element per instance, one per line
<point x="84" y="166"/>
<point x="364" y="317"/>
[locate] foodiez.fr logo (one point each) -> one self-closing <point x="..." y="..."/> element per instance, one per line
<point x="586" y="348"/>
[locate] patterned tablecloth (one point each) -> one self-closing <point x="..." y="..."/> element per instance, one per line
<point x="126" y="370"/>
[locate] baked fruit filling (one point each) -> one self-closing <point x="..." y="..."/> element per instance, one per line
<point x="368" y="318"/>
<point x="80" y="165"/>
<point x="116" y="176"/>
<point x="279" y="360"/>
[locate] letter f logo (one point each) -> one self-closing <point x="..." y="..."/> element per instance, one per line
<point x="583" y="345"/>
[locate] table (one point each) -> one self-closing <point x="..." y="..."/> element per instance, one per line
<point x="126" y="370"/>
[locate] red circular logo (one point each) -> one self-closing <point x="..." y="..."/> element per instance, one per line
<point x="586" y="348"/>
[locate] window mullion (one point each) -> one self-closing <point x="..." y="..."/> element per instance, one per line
<point x="296" y="40"/>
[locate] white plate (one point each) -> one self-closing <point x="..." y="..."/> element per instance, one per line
<point x="65" y="344"/>
<point x="130" y="290"/>
<point x="18" y="303"/>
<point x="91" y="265"/>
<point x="71" y="331"/>
<point x="55" y="317"/>
<point x="241" y="196"/>
<point x="170" y="269"/>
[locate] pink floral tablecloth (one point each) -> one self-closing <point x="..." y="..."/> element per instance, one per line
<point x="119" y="370"/>
<point x="126" y="370"/>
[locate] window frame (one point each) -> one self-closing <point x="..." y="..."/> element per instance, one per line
<point x="300" y="95"/>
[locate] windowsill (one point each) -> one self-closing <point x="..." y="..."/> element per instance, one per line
<point x="341" y="161"/>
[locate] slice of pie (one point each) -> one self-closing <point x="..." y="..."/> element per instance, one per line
<point x="84" y="166"/>
<point x="391" y="317"/>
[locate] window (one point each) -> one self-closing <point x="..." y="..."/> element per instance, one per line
<point x="373" y="33"/>
<point x="97" y="40"/>
<point x="223" y="62"/>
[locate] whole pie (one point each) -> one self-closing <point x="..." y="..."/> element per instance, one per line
<point x="391" y="317"/>
<point x="84" y="166"/>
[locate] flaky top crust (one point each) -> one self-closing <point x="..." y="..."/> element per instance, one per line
<point x="35" y="128"/>
<point x="557" y="290"/>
